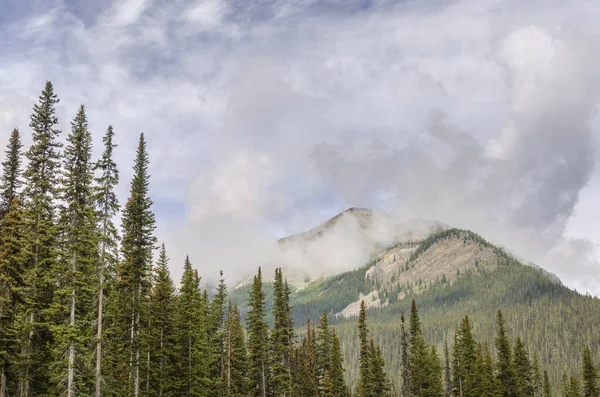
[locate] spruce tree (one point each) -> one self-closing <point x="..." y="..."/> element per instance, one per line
<point x="192" y="326"/>
<point x="216" y="334"/>
<point x="73" y="306"/>
<point x="434" y="375"/>
<point x="447" y="372"/>
<point x="590" y="375"/>
<point x="465" y="361"/>
<point x="280" y="338"/>
<point x="257" y="339"/>
<point x="523" y="372"/>
<point x="547" y="386"/>
<point x="133" y="275"/>
<point x="42" y="177"/>
<point x="536" y="376"/>
<point x="339" y="387"/>
<point x="310" y="387"/>
<point x="11" y="172"/>
<point x="405" y="344"/>
<point x="163" y="344"/>
<point x="236" y="356"/>
<point x="14" y="256"/>
<point x="364" y="373"/>
<point x="322" y="349"/>
<point x="505" y="370"/>
<point x="107" y="207"/>
<point x="420" y="359"/>
<point x="379" y="383"/>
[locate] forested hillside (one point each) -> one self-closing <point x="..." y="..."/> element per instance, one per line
<point x="90" y="309"/>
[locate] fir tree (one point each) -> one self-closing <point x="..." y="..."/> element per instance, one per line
<point x="404" y="343"/>
<point x="571" y="386"/>
<point x="192" y="318"/>
<point x="236" y="362"/>
<point x="11" y="172"/>
<point x="547" y="386"/>
<point x="73" y="305"/>
<point x="379" y="383"/>
<point x="465" y="361"/>
<point x="310" y="387"/>
<point x="163" y="344"/>
<point x="322" y="349"/>
<point x="107" y="207"/>
<point x="364" y="374"/>
<point x="41" y="193"/>
<point x="327" y="386"/>
<point x="216" y="335"/>
<point x="14" y="256"/>
<point x="590" y="375"/>
<point x="523" y="371"/>
<point x="257" y="338"/>
<point x="281" y="338"/>
<point x="505" y="370"/>
<point x="339" y="387"/>
<point x="537" y="376"/>
<point x="133" y="275"/>
<point x="421" y="384"/>
<point x="447" y="373"/>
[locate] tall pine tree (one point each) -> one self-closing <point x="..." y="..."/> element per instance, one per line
<point x="257" y="339"/>
<point x="163" y="344"/>
<point x="236" y="356"/>
<point x="504" y="367"/>
<point x="11" y="172"/>
<point x="73" y="306"/>
<point x="590" y="375"/>
<point x="336" y="373"/>
<point x="107" y="207"/>
<point x="41" y="193"/>
<point x="133" y="276"/>
<point x="281" y="338"/>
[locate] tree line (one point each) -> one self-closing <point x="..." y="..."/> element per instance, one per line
<point x="85" y="310"/>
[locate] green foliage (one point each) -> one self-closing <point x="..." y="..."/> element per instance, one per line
<point x="257" y="339"/>
<point x="10" y="182"/>
<point x="590" y="375"/>
<point x="163" y="372"/>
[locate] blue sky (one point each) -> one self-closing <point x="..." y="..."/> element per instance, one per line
<point x="267" y="117"/>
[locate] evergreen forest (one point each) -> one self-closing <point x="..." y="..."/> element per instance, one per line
<point x="89" y="308"/>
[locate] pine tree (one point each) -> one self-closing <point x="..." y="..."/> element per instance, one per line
<point x="281" y="338"/>
<point x="41" y="195"/>
<point x="11" y="172"/>
<point x="420" y="361"/>
<point x="434" y="375"/>
<point x="216" y="335"/>
<point x="364" y="374"/>
<point x="309" y="371"/>
<point x="327" y="386"/>
<point x="590" y="375"/>
<point x="257" y="338"/>
<point x="447" y="373"/>
<point x="523" y="371"/>
<point x="163" y="344"/>
<point x="14" y="256"/>
<point x="339" y="387"/>
<point x="547" y="387"/>
<point x="485" y="383"/>
<point x="404" y="343"/>
<point x="465" y="361"/>
<point x="505" y="370"/>
<point x="73" y="306"/>
<point x="379" y="383"/>
<point x="571" y="386"/>
<point x="107" y="207"/>
<point x="192" y="324"/>
<point x="322" y="349"/>
<point x="236" y="361"/>
<point x="133" y="275"/>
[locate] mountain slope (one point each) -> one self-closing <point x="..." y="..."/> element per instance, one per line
<point x="451" y="273"/>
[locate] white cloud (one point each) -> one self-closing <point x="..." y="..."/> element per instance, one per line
<point x="271" y="117"/>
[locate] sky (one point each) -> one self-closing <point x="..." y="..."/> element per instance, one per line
<point x="266" y="117"/>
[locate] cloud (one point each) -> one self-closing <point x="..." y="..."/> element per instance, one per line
<point x="265" y="118"/>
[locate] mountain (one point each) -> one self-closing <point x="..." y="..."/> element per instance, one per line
<point x="344" y="242"/>
<point x="450" y="273"/>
